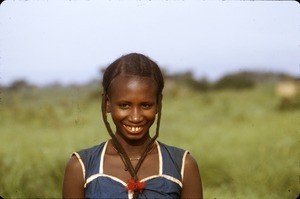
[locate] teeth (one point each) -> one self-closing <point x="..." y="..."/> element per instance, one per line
<point x="134" y="129"/>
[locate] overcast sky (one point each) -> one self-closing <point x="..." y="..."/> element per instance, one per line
<point x="68" y="41"/>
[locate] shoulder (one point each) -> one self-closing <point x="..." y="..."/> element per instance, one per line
<point x="190" y="163"/>
<point x="192" y="185"/>
<point x="73" y="163"/>
<point x="73" y="180"/>
<point x="74" y="168"/>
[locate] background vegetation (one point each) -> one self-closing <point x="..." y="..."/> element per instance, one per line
<point x="246" y="147"/>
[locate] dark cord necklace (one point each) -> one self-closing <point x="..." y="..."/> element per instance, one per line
<point x="133" y="158"/>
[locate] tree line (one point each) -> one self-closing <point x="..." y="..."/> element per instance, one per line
<point x="238" y="81"/>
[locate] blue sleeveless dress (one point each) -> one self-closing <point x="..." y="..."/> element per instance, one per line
<point x="166" y="184"/>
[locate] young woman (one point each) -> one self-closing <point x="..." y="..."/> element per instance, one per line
<point x="132" y="164"/>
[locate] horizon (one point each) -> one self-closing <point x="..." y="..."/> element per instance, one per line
<point x="167" y="75"/>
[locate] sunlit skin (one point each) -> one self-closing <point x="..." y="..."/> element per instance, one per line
<point x="132" y="103"/>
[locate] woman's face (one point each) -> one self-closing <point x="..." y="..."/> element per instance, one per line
<point x="132" y="102"/>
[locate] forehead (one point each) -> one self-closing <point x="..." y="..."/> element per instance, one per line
<point x="126" y="84"/>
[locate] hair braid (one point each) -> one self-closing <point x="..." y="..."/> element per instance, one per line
<point x="139" y="65"/>
<point x="148" y="148"/>
<point x="132" y="170"/>
<point x="115" y="140"/>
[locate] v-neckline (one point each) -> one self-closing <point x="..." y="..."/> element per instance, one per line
<point x="160" y="163"/>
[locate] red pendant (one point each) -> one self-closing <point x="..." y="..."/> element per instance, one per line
<point x="135" y="185"/>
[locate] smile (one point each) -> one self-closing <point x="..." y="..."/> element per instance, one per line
<point x="133" y="129"/>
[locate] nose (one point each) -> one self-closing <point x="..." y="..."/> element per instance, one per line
<point x="135" y="115"/>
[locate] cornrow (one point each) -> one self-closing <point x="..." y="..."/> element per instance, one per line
<point x="139" y="65"/>
<point x="133" y="64"/>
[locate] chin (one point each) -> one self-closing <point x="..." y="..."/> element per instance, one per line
<point x="128" y="136"/>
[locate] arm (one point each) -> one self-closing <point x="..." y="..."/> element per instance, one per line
<point x="192" y="185"/>
<point x="73" y="180"/>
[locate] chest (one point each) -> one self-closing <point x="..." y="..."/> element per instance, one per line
<point x="106" y="176"/>
<point x="114" y="165"/>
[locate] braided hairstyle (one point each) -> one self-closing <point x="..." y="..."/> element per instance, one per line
<point x="137" y="65"/>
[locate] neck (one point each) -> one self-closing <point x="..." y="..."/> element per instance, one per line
<point x="134" y="148"/>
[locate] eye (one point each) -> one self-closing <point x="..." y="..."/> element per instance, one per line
<point x="123" y="105"/>
<point x="147" y="105"/>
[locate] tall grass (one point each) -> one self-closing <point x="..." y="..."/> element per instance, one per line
<point x="245" y="146"/>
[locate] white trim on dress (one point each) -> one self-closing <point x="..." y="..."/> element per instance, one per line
<point x="183" y="164"/>
<point x="102" y="158"/>
<point x="101" y="174"/>
<point x="81" y="163"/>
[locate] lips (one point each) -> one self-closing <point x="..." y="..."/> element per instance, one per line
<point x="134" y="129"/>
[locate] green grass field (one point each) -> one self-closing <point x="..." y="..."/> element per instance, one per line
<point x="245" y="146"/>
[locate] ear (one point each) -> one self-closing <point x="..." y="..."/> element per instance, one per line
<point x="159" y="101"/>
<point x="107" y="104"/>
<point x="105" y="99"/>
